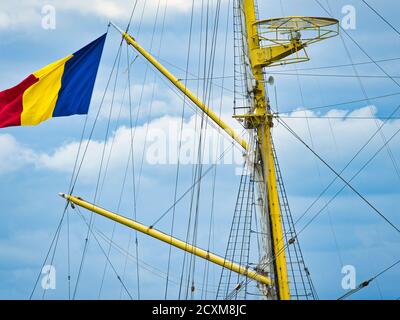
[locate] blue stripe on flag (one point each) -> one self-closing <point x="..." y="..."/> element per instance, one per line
<point x="78" y="80"/>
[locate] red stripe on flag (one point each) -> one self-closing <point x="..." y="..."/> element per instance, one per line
<point x="11" y="103"/>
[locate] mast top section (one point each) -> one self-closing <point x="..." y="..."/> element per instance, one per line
<point x="307" y="29"/>
<point x="281" y="41"/>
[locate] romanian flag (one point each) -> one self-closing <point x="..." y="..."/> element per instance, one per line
<point x="63" y="88"/>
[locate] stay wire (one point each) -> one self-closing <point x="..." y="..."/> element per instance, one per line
<point x="129" y="65"/>
<point x="114" y="227"/>
<point x="323" y="117"/>
<point x="70" y="189"/>
<point x="325" y="75"/>
<point x="122" y="189"/>
<point x="131" y="17"/>
<point x="344" y="103"/>
<point x="319" y="178"/>
<point x="321" y="210"/>
<point x="75" y="179"/>
<point x="132" y="137"/>
<point x="127" y="167"/>
<point x="90" y="227"/>
<point x="211" y="231"/>
<point x="364" y="91"/>
<point x="179" y="151"/>
<point x="92" y="218"/>
<point x="366" y="283"/>
<point x="349" y="163"/>
<point x="149" y="114"/>
<point x="207" y="97"/>
<point x="381" y="17"/>
<point x="198" y="166"/>
<point x="132" y="134"/>
<point x="143" y="265"/>
<point x="54" y="240"/>
<point x="354" y="176"/>
<point x="356" y="155"/>
<point x="382" y="134"/>
<point x="360" y="47"/>
<point x="291" y="72"/>
<point x="184" y="264"/>
<point x="194" y="108"/>
<point x="363" y="198"/>
<point x="211" y="167"/>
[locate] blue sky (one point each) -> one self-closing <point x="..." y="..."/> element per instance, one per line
<point x="36" y="162"/>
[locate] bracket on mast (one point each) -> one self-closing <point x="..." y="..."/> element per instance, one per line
<point x="281" y="38"/>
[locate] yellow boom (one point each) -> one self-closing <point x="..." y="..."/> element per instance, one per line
<point x="252" y="274"/>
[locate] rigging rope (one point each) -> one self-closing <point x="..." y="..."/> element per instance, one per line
<point x="359" y="46"/>
<point x="131" y="17"/>
<point x="357" y="173"/>
<point x="195" y="199"/>
<point x="132" y="158"/>
<point x="324" y="75"/>
<point x="344" y="103"/>
<point x="130" y="155"/>
<point x="381" y="17"/>
<point x="74" y="177"/>
<point x="90" y="226"/>
<point x="179" y="152"/>
<point x="366" y="283"/>
<point x="323" y="117"/>
<point x="344" y="170"/>
<point x="347" y="183"/>
<point x="192" y="186"/>
<point x="389" y="151"/>
<point x="382" y="135"/>
<point x="378" y="131"/>
<point x="123" y="185"/>
<point x="211" y="234"/>
<point x="158" y="272"/>
<point x="296" y="235"/>
<point x="342" y="65"/>
<point x="194" y="147"/>
<point x="92" y="216"/>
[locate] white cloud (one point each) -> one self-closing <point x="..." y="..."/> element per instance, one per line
<point x="351" y="133"/>
<point x="145" y="97"/>
<point x="16" y="16"/>
<point x="13" y="155"/>
<point x="336" y="141"/>
<point x="162" y="145"/>
<point x="120" y="9"/>
<point x="25" y="13"/>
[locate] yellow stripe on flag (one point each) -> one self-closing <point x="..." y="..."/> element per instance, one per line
<point x="40" y="100"/>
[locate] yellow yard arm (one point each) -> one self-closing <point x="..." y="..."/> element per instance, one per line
<point x="252" y="274"/>
<point x="178" y="84"/>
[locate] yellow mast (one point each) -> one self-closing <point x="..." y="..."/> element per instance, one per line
<point x="259" y="119"/>
<point x="262" y="122"/>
